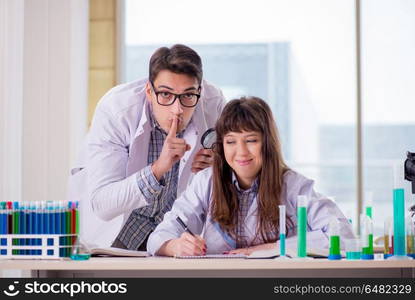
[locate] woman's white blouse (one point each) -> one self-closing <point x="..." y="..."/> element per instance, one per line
<point x="193" y="207"/>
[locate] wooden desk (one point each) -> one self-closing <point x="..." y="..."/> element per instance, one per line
<point x="171" y="267"/>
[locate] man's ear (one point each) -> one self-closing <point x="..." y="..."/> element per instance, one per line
<point x="149" y="91"/>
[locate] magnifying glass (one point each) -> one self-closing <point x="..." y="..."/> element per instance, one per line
<point x="208" y="138"/>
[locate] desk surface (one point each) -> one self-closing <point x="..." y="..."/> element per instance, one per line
<point x="166" y="263"/>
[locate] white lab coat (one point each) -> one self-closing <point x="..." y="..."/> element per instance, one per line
<point x="116" y="147"/>
<point x="194" y="209"/>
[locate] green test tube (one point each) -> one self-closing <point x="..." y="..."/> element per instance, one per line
<point x="399" y="212"/>
<point x="302" y="226"/>
<point x="16" y="224"/>
<point x="367" y="237"/>
<point x="334" y="251"/>
<point x="369" y="204"/>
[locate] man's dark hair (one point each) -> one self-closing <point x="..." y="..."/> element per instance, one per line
<point x="178" y="59"/>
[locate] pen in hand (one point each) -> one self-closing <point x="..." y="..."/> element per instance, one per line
<point x="198" y="242"/>
<point x="184" y="225"/>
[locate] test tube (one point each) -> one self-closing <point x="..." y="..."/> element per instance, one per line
<point x="334" y="251"/>
<point x="302" y="226"/>
<point x="38" y="226"/>
<point x="410" y="245"/>
<point x="387" y="238"/>
<point x="399" y="214"/>
<point x="353" y="249"/>
<point x="10" y="217"/>
<point x="282" y="229"/>
<point x="44" y="218"/>
<point x="367" y="237"/>
<point x="16" y="224"/>
<point x="51" y="217"/>
<point x="77" y="218"/>
<point x="369" y="204"/>
<point x="32" y="225"/>
<point x="23" y="225"/>
<point x="73" y="221"/>
<point x="3" y="218"/>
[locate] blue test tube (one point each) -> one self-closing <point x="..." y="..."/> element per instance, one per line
<point x="56" y="212"/>
<point x="44" y="217"/>
<point x="38" y="221"/>
<point x="62" y="210"/>
<point x="51" y="217"/>
<point x="6" y="213"/>
<point x="3" y="225"/>
<point x="28" y="225"/>
<point x="33" y="225"/>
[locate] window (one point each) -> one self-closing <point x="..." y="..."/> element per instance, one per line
<point x="300" y="56"/>
<point x="388" y="80"/>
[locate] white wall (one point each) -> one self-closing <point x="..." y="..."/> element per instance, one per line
<point x="11" y="98"/>
<point x="55" y="76"/>
<point x="43" y="96"/>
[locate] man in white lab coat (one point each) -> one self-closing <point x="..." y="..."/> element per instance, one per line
<point x="142" y="148"/>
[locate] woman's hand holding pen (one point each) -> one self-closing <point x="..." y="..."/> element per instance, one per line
<point x="173" y="150"/>
<point x="187" y="244"/>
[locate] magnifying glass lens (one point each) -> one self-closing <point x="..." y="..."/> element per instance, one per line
<point x="208" y="138"/>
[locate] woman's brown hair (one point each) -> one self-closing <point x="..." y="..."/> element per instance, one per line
<point x="248" y="114"/>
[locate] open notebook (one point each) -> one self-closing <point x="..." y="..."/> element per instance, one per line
<point x="269" y="253"/>
<point x="275" y="252"/>
<point x="212" y="256"/>
<point x="112" y="251"/>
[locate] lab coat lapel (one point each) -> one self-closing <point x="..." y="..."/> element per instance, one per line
<point x="139" y="147"/>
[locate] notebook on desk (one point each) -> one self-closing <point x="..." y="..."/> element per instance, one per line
<point x="275" y="252"/>
<point x="269" y="253"/>
<point x="112" y="251"/>
<point x="211" y="256"/>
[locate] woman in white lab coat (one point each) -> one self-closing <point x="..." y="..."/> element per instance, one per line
<point x="233" y="206"/>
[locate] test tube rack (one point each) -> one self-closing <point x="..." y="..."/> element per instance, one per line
<point x="36" y="246"/>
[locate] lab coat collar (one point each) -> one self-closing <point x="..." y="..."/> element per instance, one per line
<point x="253" y="188"/>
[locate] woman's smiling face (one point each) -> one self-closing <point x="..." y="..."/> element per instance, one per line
<point x="243" y="153"/>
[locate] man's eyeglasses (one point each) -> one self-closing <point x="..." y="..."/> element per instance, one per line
<point x="166" y="98"/>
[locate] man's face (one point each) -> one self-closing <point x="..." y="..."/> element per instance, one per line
<point x="170" y="82"/>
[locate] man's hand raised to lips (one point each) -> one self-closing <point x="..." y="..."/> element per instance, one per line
<point x="173" y="150"/>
